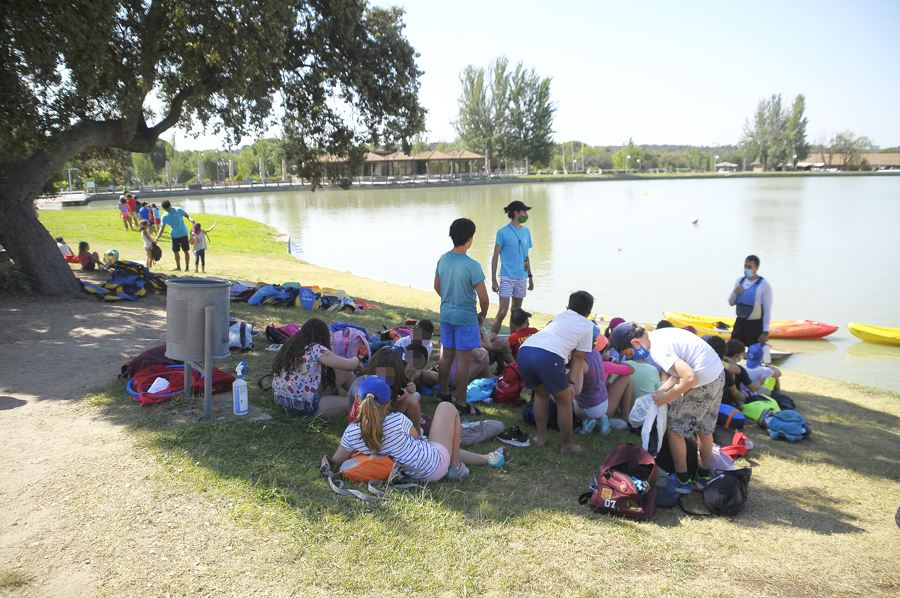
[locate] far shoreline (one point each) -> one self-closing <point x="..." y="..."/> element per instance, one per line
<point x="79" y="199"/>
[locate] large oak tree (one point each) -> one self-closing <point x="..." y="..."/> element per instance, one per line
<point x="93" y="74"/>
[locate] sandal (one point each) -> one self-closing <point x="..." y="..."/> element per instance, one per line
<point x="442" y="398"/>
<point x="467" y="409"/>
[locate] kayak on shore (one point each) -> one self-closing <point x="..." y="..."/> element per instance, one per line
<point x="875" y="334"/>
<point x="777" y="328"/>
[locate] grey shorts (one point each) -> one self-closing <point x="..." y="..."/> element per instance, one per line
<point x="696" y="411"/>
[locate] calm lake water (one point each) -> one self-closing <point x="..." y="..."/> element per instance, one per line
<point x="829" y="246"/>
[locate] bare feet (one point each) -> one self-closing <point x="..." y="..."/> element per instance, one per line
<point x="539" y="442"/>
<point x="568" y="450"/>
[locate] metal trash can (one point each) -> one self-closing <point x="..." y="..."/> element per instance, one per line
<point x="186" y="302"/>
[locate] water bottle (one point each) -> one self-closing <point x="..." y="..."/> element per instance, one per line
<point x="767" y="354"/>
<point x="239" y="391"/>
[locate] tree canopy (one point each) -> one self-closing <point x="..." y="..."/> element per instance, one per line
<point x="776" y="135"/>
<point x="97" y="74"/>
<point x="506" y="114"/>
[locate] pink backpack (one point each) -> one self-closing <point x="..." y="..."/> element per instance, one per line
<point x="349" y="343"/>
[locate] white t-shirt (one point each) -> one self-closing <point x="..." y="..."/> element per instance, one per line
<point x="414" y="453"/>
<point x="569" y="331"/>
<point x="403" y="342"/>
<point x="670" y="344"/>
<point x="65" y="249"/>
<point x="760" y="370"/>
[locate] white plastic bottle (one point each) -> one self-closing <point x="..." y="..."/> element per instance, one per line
<point x="239" y="391"/>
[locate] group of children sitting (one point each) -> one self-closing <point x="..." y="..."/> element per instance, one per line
<point x="382" y="401"/>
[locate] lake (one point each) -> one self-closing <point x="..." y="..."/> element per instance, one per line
<point x="827" y="246"/>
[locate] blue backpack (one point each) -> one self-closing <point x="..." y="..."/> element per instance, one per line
<point x="789" y="425"/>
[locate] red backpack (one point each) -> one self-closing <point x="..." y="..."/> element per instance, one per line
<point x="732" y="442"/>
<point x="509" y="384"/>
<point x="615" y="491"/>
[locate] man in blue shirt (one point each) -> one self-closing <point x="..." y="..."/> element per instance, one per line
<point x="458" y="280"/>
<point x="511" y="248"/>
<point x="174" y="218"/>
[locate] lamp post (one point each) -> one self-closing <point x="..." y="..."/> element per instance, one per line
<point x="70" y="176"/>
<point x="639" y="165"/>
<point x="220" y="165"/>
<point x="715" y="162"/>
<point x="627" y="158"/>
<point x="794" y="162"/>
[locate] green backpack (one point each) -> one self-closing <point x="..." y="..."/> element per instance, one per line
<point x="755" y="406"/>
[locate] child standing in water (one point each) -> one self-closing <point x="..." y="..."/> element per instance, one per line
<point x="198" y="240"/>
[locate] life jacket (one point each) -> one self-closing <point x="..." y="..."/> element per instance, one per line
<point x="747" y="299"/>
<point x="272" y="295"/>
<point x="103" y="294"/>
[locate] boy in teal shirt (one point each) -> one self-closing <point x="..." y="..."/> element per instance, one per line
<point x="458" y="280"/>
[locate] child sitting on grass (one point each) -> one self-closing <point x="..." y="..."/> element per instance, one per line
<point x="594" y="402"/>
<point x="198" y="240"/>
<point x="744" y="384"/>
<point x="520" y="329"/>
<point x="306" y="374"/>
<point x="89" y="260"/>
<point x="388" y="365"/>
<point x="415" y="366"/>
<point x="381" y="430"/>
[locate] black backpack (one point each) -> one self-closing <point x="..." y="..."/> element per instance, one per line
<point x="726" y="494"/>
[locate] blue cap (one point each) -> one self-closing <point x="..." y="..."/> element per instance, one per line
<point x="621" y="336"/>
<point x="754" y="355"/>
<point x="374" y="385"/>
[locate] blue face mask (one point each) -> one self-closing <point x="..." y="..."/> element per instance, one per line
<point x="640" y="352"/>
<point x="749" y="273"/>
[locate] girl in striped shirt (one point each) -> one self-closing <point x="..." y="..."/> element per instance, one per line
<point x="378" y="431"/>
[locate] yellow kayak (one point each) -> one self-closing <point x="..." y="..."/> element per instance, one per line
<point x="875" y="334"/>
<point x="777" y="328"/>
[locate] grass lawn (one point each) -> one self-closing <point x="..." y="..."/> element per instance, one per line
<point x="819" y="519"/>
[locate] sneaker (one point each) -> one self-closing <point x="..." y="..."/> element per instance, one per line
<point x="497" y="458"/>
<point x="515" y="437"/>
<point x="701" y="482"/>
<point x="618" y="424"/>
<point x="604" y="424"/>
<point x="460" y="472"/>
<point x="176" y="269"/>
<point x="681" y="488"/>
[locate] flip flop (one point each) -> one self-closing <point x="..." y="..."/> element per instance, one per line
<point x="467" y="409"/>
<point x="442" y="398"/>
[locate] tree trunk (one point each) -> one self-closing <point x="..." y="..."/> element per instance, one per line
<point x="33" y="249"/>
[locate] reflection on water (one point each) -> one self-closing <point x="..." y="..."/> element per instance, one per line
<point x="864" y="350"/>
<point x="828" y="246"/>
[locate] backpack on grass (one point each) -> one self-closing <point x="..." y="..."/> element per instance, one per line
<point x="625" y="485"/>
<point x="786" y="425"/>
<point x="376" y="471"/>
<point x="733" y="443"/>
<point x="509" y="385"/>
<point x="726" y="494"/>
<point x="730" y="417"/>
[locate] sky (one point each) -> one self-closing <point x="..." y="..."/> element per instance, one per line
<point x="666" y="72"/>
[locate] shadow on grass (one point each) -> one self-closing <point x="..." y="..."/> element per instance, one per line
<point x="277" y="460"/>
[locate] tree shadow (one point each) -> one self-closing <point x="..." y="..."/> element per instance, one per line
<point x="7" y="403"/>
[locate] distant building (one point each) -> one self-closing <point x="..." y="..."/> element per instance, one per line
<point x="836" y="161"/>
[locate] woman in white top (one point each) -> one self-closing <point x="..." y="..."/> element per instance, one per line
<point x="379" y="432"/>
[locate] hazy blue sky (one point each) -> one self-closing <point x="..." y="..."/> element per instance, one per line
<point x="669" y="72"/>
